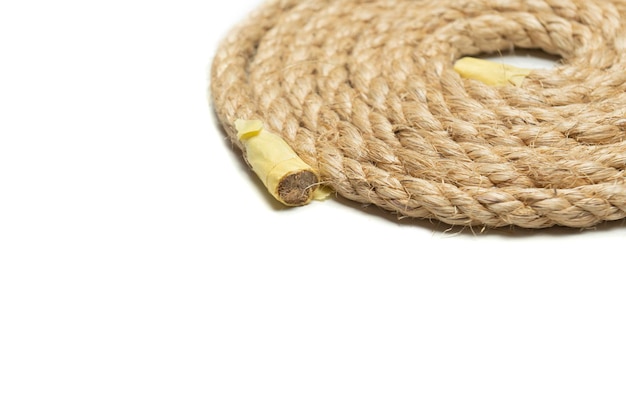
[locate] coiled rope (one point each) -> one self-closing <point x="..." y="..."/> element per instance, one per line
<point x="365" y="92"/>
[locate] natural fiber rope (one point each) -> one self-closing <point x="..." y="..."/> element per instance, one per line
<point x="366" y="94"/>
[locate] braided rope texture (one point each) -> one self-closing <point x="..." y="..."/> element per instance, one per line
<point x="365" y="92"/>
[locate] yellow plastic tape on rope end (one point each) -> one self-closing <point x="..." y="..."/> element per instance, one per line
<point x="285" y="175"/>
<point x="491" y="73"/>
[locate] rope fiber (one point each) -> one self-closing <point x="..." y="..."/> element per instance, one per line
<point x="366" y="93"/>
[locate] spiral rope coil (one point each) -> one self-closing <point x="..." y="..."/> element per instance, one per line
<point x="365" y="93"/>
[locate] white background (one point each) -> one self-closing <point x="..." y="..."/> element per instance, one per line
<point x="144" y="272"/>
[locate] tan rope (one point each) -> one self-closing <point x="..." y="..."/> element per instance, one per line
<point x="365" y="92"/>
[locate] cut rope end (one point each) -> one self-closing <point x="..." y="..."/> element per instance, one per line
<point x="491" y="73"/>
<point x="285" y="175"/>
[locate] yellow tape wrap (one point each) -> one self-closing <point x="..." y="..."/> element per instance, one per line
<point x="491" y="73"/>
<point x="285" y="175"/>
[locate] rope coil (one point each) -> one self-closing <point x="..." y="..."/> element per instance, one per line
<point x="365" y="92"/>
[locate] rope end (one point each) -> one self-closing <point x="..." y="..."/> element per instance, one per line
<point x="285" y="175"/>
<point x="491" y="73"/>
